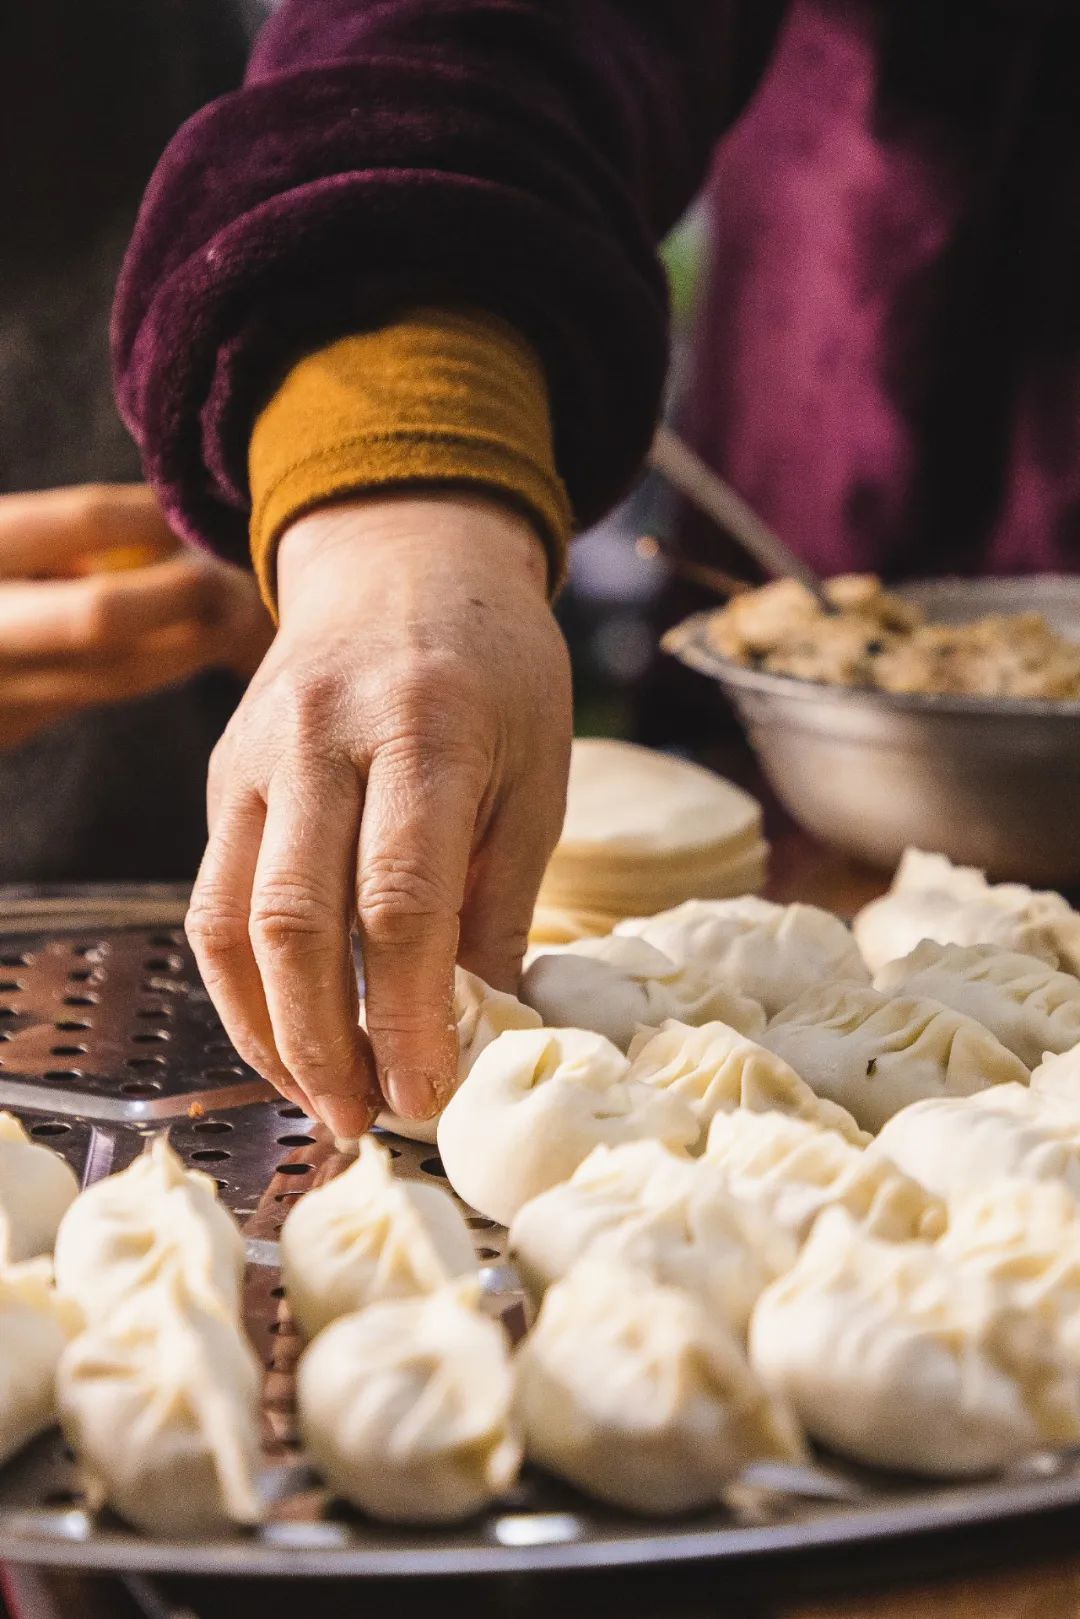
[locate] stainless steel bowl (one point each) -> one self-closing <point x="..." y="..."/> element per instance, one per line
<point x="992" y="782"/>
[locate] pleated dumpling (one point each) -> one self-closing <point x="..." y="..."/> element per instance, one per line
<point x="125" y="1230"/>
<point x="954" y="1146"/>
<point x="616" y="985"/>
<point x="874" y="1055"/>
<point x="406" y="1408"/>
<point x="1030" y="1007"/>
<point x="35" y="1327"/>
<point x="794" y="1170"/>
<point x="36" y="1189"/>
<point x="535" y="1105"/>
<point x="639" y="1396"/>
<point x="715" y="1069"/>
<point x="368" y="1236"/>
<point x="894" y="1356"/>
<point x="160" y="1403"/>
<point x="1058" y="1079"/>
<point x="769" y="952"/>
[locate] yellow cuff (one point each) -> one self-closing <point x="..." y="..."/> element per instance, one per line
<point x="439" y="398"/>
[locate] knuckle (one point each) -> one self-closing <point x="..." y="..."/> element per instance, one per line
<point x="215" y="928"/>
<point x="399" y="898"/>
<point x="307" y="702"/>
<point x="288" y="916"/>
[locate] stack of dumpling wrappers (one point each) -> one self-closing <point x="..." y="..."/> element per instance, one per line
<point x="644" y="831"/>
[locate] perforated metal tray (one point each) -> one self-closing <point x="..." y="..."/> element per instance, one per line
<point x="106" y="1035"/>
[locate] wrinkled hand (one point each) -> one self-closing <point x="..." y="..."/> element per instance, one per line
<point x="99" y="603"/>
<point x="398" y="765"/>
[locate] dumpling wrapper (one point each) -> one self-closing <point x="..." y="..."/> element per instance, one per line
<point x="614" y="986"/>
<point x="535" y="1105"/>
<point x="715" y="1069"/>
<point x="1058" y="1079"/>
<point x="794" y="1170"/>
<point x="160" y="1403"/>
<point x="367" y="1236"/>
<point x="768" y="952"/>
<point x="405" y="1408"/>
<point x="36" y="1326"/>
<point x="954" y="1146"/>
<point x="637" y="1395"/>
<point x="893" y="1356"/>
<point x="36" y="1189"/>
<point x="875" y="1055"/>
<point x="1030" y="1007"/>
<point x="126" y="1230"/>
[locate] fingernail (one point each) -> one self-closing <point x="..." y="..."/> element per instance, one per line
<point x="346" y="1117"/>
<point x="413" y="1093"/>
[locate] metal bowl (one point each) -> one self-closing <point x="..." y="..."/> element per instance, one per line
<point x="989" y="781"/>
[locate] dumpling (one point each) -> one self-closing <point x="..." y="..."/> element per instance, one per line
<point x="794" y="1170"/>
<point x="405" y="1408"/>
<point x="36" y="1189"/>
<point x="1028" y="1006"/>
<point x="535" y="1105"/>
<point x="160" y="1403"/>
<point x="614" y="986"/>
<point x="35" y="1328"/>
<point x="892" y="1355"/>
<point x="930" y="898"/>
<point x="124" y="1230"/>
<point x="955" y="1146"/>
<point x="875" y="1055"/>
<point x="1058" y="1079"/>
<point x="772" y="953"/>
<point x="481" y="1015"/>
<point x="715" y="1069"/>
<point x="367" y="1236"/>
<point x="637" y="1395"/>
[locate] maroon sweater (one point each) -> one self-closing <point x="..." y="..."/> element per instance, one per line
<point x="890" y="352"/>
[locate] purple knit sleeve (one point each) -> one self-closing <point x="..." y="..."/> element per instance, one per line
<point x="523" y="156"/>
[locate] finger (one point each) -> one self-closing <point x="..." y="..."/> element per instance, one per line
<point x="18" y="724"/>
<point x="101" y="614"/>
<point x="43" y="533"/>
<point x="218" y="929"/>
<point x="415" y="841"/>
<point x="301" y="927"/>
<point x="504" y="880"/>
<point x="165" y="659"/>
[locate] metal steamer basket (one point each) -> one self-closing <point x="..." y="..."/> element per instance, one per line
<point x="106" y="1036"/>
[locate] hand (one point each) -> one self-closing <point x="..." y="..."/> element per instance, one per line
<point x="99" y="603"/>
<point x="398" y="764"/>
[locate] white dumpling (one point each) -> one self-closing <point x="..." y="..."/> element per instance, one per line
<point x="955" y="1146"/>
<point x="535" y="1105"/>
<point x="894" y="1356"/>
<point x="769" y="952"/>
<point x="1058" y="1078"/>
<point x="125" y="1230"/>
<point x="715" y="1069"/>
<point x="160" y="1403"/>
<point x="875" y="1054"/>
<point x="637" y="1395"/>
<point x="614" y="986"/>
<point x="35" y="1328"/>
<point x="405" y="1408"/>
<point x="930" y="898"/>
<point x="794" y="1170"/>
<point x="36" y="1189"/>
<point x="1030" y="1007"/>
<point x="367" y="1236"/>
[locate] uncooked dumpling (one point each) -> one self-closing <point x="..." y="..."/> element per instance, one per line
<point x="794" y="1170"/>
<point x="875" y="1055"/>
<point x="637" y="1395"/>
<point x="894" y="1356"/>
<point x="714" y="1069"/>
<point x="771" y="953"/>
<point x="367" y="1236"/>
<point x="1030" y="1007"/>
<point x="405" y="1408"/>
<point x="614" y="986"/>
<point x="953" y="1145"/>
<point x="36" y="1189"/>
<point x="535" y="1105"/>
<point x="35" y="1328"/>
<point x="125" y="1230"/>
<point x="160" y="1403"/>
<point x="1058" y="1079"/>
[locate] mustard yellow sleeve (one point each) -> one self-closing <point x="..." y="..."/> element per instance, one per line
<point x="441" y="397"/>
